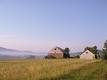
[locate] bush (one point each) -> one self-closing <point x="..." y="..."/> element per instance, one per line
<point x="105" y="55"/>
<point x="50" y="57"/>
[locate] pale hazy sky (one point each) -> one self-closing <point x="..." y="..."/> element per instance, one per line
<point x="39" y="25"/>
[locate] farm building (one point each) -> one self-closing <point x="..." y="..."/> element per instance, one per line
<point x="56" y="52"/>
<point x="87" y="55"/>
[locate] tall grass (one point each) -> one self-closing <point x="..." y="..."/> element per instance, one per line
<point x="55" y="69"/>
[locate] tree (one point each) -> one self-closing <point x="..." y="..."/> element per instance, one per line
<point x="50" y="57"/>
<point x="93" y="50"/>
<point x="66" y="53"/>
<point x="105" y="45"/>
<point x="105" y="50"/>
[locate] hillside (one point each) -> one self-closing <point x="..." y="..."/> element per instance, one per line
<point x="6" y="53"/>
<point x="57" y="69"/>
<point x="14" y="52"/>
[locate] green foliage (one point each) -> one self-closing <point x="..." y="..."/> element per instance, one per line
<point x="105" y="45"/>
<point x="105" y="50"/>
<point x="92" y="49"/>
<point x="105" y="54"/>
<point x="66" y="53"/>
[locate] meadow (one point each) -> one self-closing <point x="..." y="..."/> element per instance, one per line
<point x="53" y="69"/>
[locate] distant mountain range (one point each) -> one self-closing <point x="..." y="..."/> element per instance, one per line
<point x="16" y="54"/>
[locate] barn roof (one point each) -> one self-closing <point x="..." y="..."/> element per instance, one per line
<point x="85" y="51"/>
<point x="59" y="48"/>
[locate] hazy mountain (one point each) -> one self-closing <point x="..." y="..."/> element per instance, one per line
<point x="75" y="54"/>
<point x="13" y="54"/>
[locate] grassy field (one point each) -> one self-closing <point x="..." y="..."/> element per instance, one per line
<point x="59" y="69"/>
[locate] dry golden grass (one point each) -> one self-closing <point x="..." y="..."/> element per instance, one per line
<point x="52" y="69"/>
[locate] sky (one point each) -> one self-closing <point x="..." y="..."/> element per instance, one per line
<point x="39" y="25"/>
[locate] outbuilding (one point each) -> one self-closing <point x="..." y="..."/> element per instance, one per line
<point x="87" y="55"/>
<point x="56" y="52"/>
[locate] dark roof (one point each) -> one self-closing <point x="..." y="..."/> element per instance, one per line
<point x="85" y="51"/>
<point x="59" y="48"/>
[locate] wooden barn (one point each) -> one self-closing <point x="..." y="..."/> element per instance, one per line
<point x="56" y="52"/>
<point x="87" y="55"/>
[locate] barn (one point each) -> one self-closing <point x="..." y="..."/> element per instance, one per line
<point x="56" y="52"/>
<point x="87" y="55"/>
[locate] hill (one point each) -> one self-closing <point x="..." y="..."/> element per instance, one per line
<point x="17" y="54"/>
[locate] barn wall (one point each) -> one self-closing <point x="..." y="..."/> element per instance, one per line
<point x="87" y="56"/>
<point x="56" y="53"/>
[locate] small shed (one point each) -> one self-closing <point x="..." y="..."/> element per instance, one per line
<point x="87" y="55"/>
<point x="56" y="52"/>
